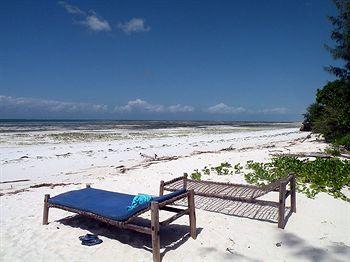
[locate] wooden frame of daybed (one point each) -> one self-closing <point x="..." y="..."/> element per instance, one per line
<point x="155" y="223"/>
<point x="278" y="185"/>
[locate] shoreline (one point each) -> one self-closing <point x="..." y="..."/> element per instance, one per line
<point x="27" y="161"/>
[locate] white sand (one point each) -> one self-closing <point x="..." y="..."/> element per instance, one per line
<point x="319" y="231"/>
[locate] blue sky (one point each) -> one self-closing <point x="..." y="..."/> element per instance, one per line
<point x="224" y="60"/>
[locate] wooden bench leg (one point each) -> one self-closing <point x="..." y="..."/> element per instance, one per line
<point x="46" y="210"/>
<point x="155" y="231"/>
<point x="293" y="204"/>
<point x="192" y="214"/>
<point x="184" y="181"/>
<point x="281" y="205"/>
<point x="161" y="188"/>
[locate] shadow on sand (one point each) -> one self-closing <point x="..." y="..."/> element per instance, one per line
<point x="302" y="250"/>
<point x="171" y="236"/>
<point x="261" y="212"/>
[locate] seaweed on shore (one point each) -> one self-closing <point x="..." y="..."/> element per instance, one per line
<point x="51" y="185"/>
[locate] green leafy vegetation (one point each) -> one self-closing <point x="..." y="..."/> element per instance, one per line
<point x="238" y="168"/>
<point x="328" y="175"/>
<point x="330" y="114"/>
<point x="222" y="169"/>
<point x="206" y="171"/>
<point x="344" y="140"/>
<point x="196" y="175"/>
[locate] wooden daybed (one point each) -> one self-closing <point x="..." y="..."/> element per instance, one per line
<point x="239" y="192"/>
<point x="111" y="208"/>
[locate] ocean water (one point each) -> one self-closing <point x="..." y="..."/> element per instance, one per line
<point x="28" y="132"/>
<point x="24" y="126"/>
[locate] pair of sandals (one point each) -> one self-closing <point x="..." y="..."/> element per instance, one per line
<point x="90" y="240"/>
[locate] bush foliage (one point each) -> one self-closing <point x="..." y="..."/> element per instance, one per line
<point x="328" y="175"/>
<point x="330" y="114"/>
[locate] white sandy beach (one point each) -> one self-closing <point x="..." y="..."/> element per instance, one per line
<point x="319" y="231"/>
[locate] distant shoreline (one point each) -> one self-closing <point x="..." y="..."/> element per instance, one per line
<point x="29" y="125"/>
<point x="133" y="120"/>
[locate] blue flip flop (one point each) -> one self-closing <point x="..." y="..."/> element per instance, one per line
<point x="88" y="237"/>
<point x="90" y="240"/>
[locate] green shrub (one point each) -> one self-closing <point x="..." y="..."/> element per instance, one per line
<point x="196" y="175"/>
<point x="321" y="175"/>
<point x="206" y="170"/>
<point x="328" y="175"/>
<point x="330" y="114"/>
<point x="343" y="141"/>
<point x="226" y="164"/>
<point x="223" y="169"/>
<point x="238" y="168"/>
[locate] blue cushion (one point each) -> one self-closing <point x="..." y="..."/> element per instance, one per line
<point x="168" y="196"/>
<point x="104" y="203"/>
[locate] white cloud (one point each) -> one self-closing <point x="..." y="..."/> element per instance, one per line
<point x="91" y="20"/>
<point x="134" y="25"/>
<point x="276" y="110"/>
<point x="8" y="103"/>
<point x="71" y="8"/>
<point x="96" y="23"/>
<point x="139" y="105"/>
<point x="35" y="105"/>
<point x="180" y="109"/>
<point x="222" y="108"/>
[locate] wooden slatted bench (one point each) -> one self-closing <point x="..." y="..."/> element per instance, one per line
<point x="239" y="192"/>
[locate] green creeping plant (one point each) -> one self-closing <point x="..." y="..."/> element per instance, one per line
<point x="238" y="168"/>
<point x="206" y="170"/>
<point x="222" y="169"/>
<point x="226" y="164"/>
<point x="196" y="175"/>
<point x="328" y="175"/>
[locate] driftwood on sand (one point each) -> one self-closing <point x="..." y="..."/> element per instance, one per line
<point x="14" y="181"/>
<point x="156" y="158"/>
<point x="150" y="160"/>
<point x="312" y="154"/>
<point x="51" y="185"/>
<point x="14" y="192"/>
